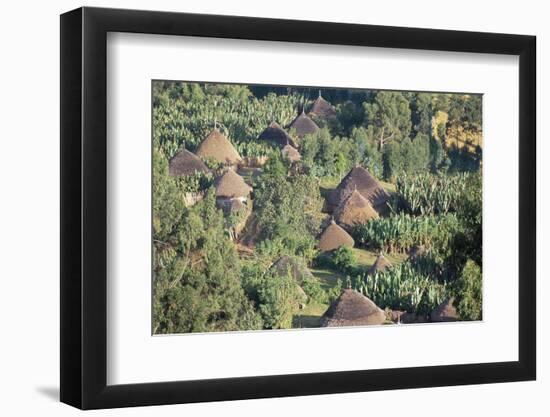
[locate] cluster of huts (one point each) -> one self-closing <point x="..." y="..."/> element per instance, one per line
<point x="357" y="199"/>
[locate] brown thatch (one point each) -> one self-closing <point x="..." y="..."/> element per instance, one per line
<point x="445" y="311"/>
<point x="218" y="147"/>
<point x="295" y="266"/>
<point x="380" y="265"/>
<point x="352" y="309"/>
<point x="231" y="205"/>
<point x="333" y="237"/>
<point x="322" y="108"/>
<point x="291" y="153"/>
<point x="303" y="125"/>
<point x="186" y="163"/>
<point x="354" y="210"/>
<point x="276" y="135"/>
<point x="361" y="180"/>
<point x="231" y="185"/>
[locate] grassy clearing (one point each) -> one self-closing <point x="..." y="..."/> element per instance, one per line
<point x="366" y="258"/>
<point x="310" y="316"/>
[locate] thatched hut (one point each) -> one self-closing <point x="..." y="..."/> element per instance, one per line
<point x="231" y="185"/>
<point x="291" y="153"/>
<point x="352" y="309"/>
<point x="186" y="163"/>
<point x="333" y="237"/>
<point x="322" y="108"/>
<point x="303" y="125"/>
<point x="219" y="148"/>
<point x="446" y="311"/>
<point x="379" y="265"/>
<point x="276" y="135"/>
<point x="354" y="210"/>
<point x="361" y="180"/>
<point x="295" y="266"/>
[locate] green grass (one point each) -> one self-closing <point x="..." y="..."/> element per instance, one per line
<point x="309" y="316"/>
<point x="366" y="258"/>
<point x="328" y="277"/>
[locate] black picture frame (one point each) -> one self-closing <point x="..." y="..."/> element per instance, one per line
<point x="84" y="207"/>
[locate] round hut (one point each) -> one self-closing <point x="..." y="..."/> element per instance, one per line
<point x="379" y="265"/>
<point x="219" y="148"/>
<point x="291" y="153"/>
<point x="322" y="108"/>
<point x="231" y="186"/>
<point x="354" y="210"/>
<point x="295" y="266"/>
<point x="276" y="135"/>
<point x="333" y="237"/>
<point x="303" y="125"/>
<point x="361" y="180"/>
<point x="186" y="163"/>
<point x="352" y="309"/>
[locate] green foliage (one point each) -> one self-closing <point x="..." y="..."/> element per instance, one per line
<point x="407" y="156"/>
<point x="403" y="287"/>
<point x="312" y="287"/>
<point x="344" y="259"/>
<point x="400" y="232"/>
<point x="469" y="292"/>
<point x="426" y="194"/>
<point x="289" y="212"/>
<point x="278" y="298"/>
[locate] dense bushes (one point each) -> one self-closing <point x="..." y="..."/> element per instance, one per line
<point x="468" y="289"/>
<point x="403" y="287"/>
<point x="400" y="232"/>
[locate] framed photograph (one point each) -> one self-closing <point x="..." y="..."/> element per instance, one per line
<point x="257" y="208"/>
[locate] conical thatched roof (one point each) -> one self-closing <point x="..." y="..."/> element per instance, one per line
<point x="361" y="180"/>
<point x="276" y="135"/>
<point x="445" y="311"/>
<point x="380" y="265"/>
<point x="231" y="185"/>
<point x="354" y="210"/>
<point x="291" y="153"/>
<point x="322" y="108"/>
<point x="218" y="147"/>
<point x="352" y="309"/>
<point x="303" y="125"/>
<point x="186" y="163"/>
<point x="297" y="268"/>
<point x="333" y="237"/>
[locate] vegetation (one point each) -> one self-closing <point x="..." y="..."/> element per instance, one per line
<point x="213" y="265"/>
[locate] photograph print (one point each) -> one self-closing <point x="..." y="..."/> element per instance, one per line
<point x="290" y="207"/>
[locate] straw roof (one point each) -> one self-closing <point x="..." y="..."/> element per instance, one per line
<point x="276" y="135"/>
<point x="352" y="309"/>
<point x="380" y="264"/>
<point x="296" y="266"/>
<point x="186" y="163"/>
<point x="333" y="237"/>
<point x="445" y="311"/>
<point x="231" y="185"/>
<point x="322" y="108"/>
<point x="361" y="180"/>
<point x="303" y="125"/>
<point x="218" y="147"/>
<point x="291" y="153"/>
<point x="354" y="210"/>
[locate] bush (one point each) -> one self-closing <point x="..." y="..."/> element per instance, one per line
<point x="278" y="297"/>
<point x="344" y="259"/>
<point x="469" y="292"/>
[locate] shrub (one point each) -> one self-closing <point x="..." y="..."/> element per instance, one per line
<point x="344" y="259"/>
<point x="469" y="292"/>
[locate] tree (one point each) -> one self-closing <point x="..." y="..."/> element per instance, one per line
<point x="469" y="292"/>
<point x="422" y="113"/>
<point x="390" y="116"/>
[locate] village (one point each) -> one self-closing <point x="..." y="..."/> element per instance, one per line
<point x="357" y="199"/>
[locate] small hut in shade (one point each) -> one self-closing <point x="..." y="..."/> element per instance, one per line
<point x="186" y="163"/>
<point x="352" y="309"/>
<point x="219" y="148"/>
<point x="322" y="108"/>
<point x="295" y="266"/>
<point x="333" y="237"/>
<point x="276" y="135"/>
<point x="303" y="125"/>
<point x="291" y="153"/>
<point x="231" y="188"/>
<point x="354" y="210"/>
<point x="379" y="265"/>
<point x="361" y="180"/>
